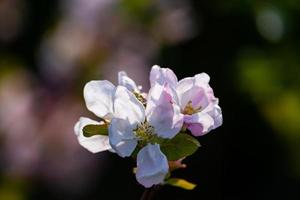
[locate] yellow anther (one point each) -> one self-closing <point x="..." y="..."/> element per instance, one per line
<point x="189" y="110"/>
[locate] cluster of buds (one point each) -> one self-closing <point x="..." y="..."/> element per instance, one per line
<point x="155" y="128"/>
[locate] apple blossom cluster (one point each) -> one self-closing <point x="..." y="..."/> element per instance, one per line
<point x="155" y="128"/>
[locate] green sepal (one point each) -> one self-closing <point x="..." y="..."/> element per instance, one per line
<point x="93" y="129"/>
<point x="135" y="152"/>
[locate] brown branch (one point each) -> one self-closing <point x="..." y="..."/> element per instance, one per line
<point x="150" y="193"/>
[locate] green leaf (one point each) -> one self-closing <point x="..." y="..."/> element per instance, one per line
<point x="92" y="129"/>
<point x="182" y="145"/>
<point x="177" y="182"/>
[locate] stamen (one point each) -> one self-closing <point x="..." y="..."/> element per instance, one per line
<point x="145" y="133"/>
<point x="189" y="110"/>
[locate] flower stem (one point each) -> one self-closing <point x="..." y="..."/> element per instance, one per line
<point x="149" y="193"/>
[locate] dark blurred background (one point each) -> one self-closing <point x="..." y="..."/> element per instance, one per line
<point x="50" y="49"/>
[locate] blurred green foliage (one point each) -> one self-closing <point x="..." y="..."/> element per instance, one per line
<point x="272" y="82"/>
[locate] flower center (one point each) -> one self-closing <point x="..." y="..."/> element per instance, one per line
<point x="144" y="131"/>
<point x="189" y="110"/>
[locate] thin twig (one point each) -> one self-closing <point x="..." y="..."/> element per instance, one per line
<point x="150" y="193"/>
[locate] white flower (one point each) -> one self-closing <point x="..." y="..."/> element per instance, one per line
<point x="139" y="121"/>
<point x="134" y="123"/>
<point x="99" y="97"/>
<point x="195" y="98"/>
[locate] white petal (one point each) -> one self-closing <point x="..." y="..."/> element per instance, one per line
<point x="98" y="97"/>
<point x="94" y="144"/>
<point x="216" y="114"/>
<point x="203" y="78"/>
<point x="127" y="106"/>
<point x="162" y="75"/>
<point x="127" y="82"/>
<point x="152" y="166"/>
<point x="121" y="137"/>
<point x="162" y="113"/>
<point x="166" y="122"/>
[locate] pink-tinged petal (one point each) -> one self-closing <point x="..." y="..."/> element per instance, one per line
<point x="94" y="144"/>
<point x="199" y="123"/>
<point x="156" y="91"/>
<point x="194" y="90"/>
<point x="202" y="80"/>
<point x="162" y="113"/>
<point x="121" y="137"/>
<point x="128" y="107"/>
<point x="152" y="166"/>
<point x="201" y="100"/>
<point x="195" y="95"/>
<point x="162" y="75"/>
<point x="127" y="82"/>
<point x="196" y="129"/>
<point x="98" y="97"/>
